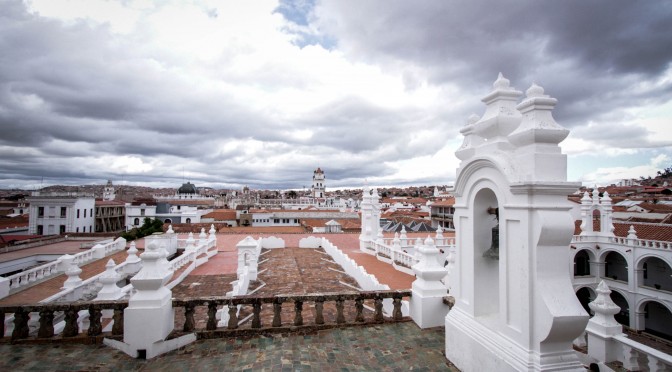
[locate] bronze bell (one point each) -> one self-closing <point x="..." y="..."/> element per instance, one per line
<point x="493" y="251"/>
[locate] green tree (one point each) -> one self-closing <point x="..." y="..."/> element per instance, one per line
<point x="149" y="227"/>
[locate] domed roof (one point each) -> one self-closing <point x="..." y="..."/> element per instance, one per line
<point x="187" y="188"/>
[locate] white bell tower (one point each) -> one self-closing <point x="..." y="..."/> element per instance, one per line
<point x="108" y="193"/>
<point x="318" y="183"/>
<point x="515" y="309"/>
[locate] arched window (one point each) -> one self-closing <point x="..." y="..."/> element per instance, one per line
<point x="188" y="220"/>
<point x="136" y="222"/>
<point x="615" y="267"/>
<point x="582" y="263"/>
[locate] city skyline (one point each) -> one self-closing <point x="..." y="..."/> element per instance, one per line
<point x="226" y="94"/>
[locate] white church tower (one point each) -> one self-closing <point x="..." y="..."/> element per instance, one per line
<point x="108" y="192"/>
<point x="318" y="183"/>
<point x="515" y="309"/>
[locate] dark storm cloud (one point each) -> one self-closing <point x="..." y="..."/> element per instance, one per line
<point x="584" y="50"/>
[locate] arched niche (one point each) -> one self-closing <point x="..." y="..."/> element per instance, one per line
<point x="486" y="267"/>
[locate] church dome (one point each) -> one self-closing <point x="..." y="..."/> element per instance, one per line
<point x="187" y="188"/>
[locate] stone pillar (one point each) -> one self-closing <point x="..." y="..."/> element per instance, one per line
<point x="606" y="224"/>
<point x="149" y="317"/>
<point x="72" y="272"/>
<point x="403" y="238"/>
<point x="427" y="307"/>
<point x="202" y="237"/>
<point x="439" y="237"/>
<point x="133" y="262"/>
<point x="191" y="247"/>
<point x="247" y="257"/>
<point x="98" y="251"/>
<point x="602" y="326"/>
<point x="586" y="214"/>
<point x="367" y="215"/>
<point x="109" y="279"/>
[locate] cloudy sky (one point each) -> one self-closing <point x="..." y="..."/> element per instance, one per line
<point x="260" y="93"/>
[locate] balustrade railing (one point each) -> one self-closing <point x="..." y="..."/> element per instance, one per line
<point x="254" y="305"/>
<point x="27" y="277"/>
<point x="70" y="312"/>
<point x="638" y="357"/>
<point x="656" y="244"/>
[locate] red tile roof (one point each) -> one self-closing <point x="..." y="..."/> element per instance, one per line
<point x="221" y="215"/>
<point x="444" y="203"/>
<point x="646" y="231"/>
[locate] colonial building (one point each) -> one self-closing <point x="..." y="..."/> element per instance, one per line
<point x="110" y="216"/>
<point x="61" y="213"/>
<point x="442" y="212"/>
<point x="108" y="192"/>
<point x="634" y="259"/>
<point x="318" y="184"/>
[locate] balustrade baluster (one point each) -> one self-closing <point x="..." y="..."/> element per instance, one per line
<point x="233" y="318"/>
<point x="656" y="364"/>
<point x="189" y="323"/>
<point x="378" y="306"/>
<point x="95" y="326"/>
<point x="71" y="328"/>
<point x="319" y="307"/>
<point x="256" y="311"/>
<point x="277" y="309"/>
<point x="118" y="318"/>
<point x="46" y="324"/>
<point x="298" y="307"/>
<point x="359" y="307"/>
<point x="212" y="316"/>
<point x="20" y="324"/>
<point x="340" y="318"/>
<point x="630" y="358"/>
<point x="396" y="311"/>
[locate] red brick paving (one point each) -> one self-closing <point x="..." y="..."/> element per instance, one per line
<point x="226" y="261"/>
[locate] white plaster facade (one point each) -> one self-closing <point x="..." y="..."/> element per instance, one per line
<point x="61" y="213"/>
<point x="136" y="214"/>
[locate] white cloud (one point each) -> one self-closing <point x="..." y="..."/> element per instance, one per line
<point x="234" y="93"/>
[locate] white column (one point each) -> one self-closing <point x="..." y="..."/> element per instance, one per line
<point x="149" y="317"/>
<point x="427" y="307"/>
<point x="602" y="327"/>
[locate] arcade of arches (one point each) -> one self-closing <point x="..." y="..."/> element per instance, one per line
<point x="632" y="290"/>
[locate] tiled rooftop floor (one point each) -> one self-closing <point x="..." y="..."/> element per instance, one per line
<point x="388" y="347"/>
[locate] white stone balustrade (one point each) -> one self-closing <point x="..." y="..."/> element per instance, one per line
<point x="24" y="279"/>
<point x="607" y="342"/>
